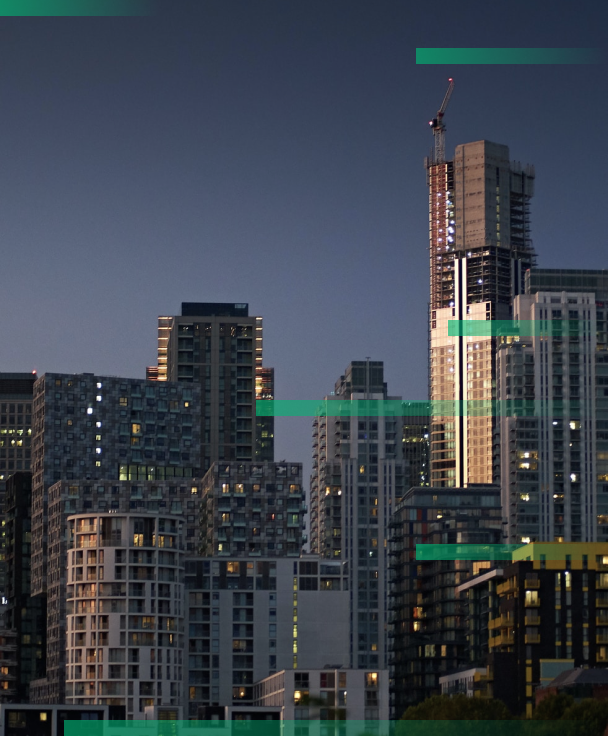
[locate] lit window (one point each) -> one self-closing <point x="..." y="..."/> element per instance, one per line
<point x="98" y="397"/>
<point x="90" y="410"/>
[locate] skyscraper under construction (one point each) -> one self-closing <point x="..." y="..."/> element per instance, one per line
<point x="480" y="249"/>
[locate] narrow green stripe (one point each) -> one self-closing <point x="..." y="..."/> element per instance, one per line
<point x="512" y="328"/>
<point x="72" y="8"/>
<point x="368" y="408"/>
<point x="465" y="551"/>
<point x="507" y="56"/>
<point x="549" y="551"/>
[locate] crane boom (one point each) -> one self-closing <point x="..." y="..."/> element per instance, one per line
<point x="438" y="126"/>
<point x="446" y="99"/>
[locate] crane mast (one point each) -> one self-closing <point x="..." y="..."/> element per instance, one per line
<point x="439" y="128"/>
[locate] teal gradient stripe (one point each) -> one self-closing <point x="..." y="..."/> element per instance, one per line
<point x="427" y="552"/>
<point x="332" y="727"/>
<point x="393" y="407"/>
<point x="72" y="8"/>
<point x="512" y="328"/>
<point x="508" y="56"/>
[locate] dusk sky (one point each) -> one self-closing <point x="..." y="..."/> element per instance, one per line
<point x="271" y="152"/>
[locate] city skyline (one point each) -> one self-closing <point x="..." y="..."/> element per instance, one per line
<point x="151" y="152"/>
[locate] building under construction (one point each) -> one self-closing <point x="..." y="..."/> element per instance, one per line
<point x="480" y="249"/>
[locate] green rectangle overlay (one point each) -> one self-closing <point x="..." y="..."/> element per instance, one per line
<point x="535" y="551"/>
<point x="507" y="56"/>
<point x="466" y="551"/>
<point x="553" y="408"/>
<point x="329" y="727"/>
<point x="512" y="328"/>
<point x="74" y="8"/>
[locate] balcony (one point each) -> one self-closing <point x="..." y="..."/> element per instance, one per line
<point x="509" y="586"/>
<point x="532" y="583"/>
<point x="532" y="619"/>
<point x="532" y="638"/>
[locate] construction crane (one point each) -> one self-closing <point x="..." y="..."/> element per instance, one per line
<point x="439" y="128"/>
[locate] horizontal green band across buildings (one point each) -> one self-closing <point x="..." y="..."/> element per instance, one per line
<point x="553" y="408"/>
<point x="333" y="726"/>
<point x="465" y="551"/>
<point x="507" y="56"/>
<point x="512" y="328"/>
<point x="547" y="551"/>
<point x="72" y="8"/>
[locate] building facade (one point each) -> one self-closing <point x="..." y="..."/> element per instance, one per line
<point x="428" y="630"/>
<point x="358" y="474"/>
<point x="24" y="615"/>
<point x="218" y="347"/>
<point x="16" y="390"/>
<point x="326" y="694"/>
<point x="253" y="509"/>
<point x="107" y="428"/>
<point x="416" y="449"/>
<point x="553" y="383"/>
<point x="251" y="617"/>
<point x="480" y="248"/>
<point x="179" y="498"/>
<point x="552" y="615"/>
<point x="94" y="429"/>
<point x="124" y="612"/>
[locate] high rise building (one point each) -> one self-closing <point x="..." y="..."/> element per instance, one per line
<point x="427" y="625"/>
<point x="219" y="347"/>
<point x="15" y="439"/>
<point x="25" y="615"/>
<point x="554" y="429"/>
<point x="480" y="248"/>
<point x="125" y="620"/>
<point x="357" y="476"/>
<point x="91" y="429"/>
<point x="95" y="427"/>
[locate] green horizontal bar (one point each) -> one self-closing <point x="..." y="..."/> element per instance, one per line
<point x="336" y="727"/>
<point x="465" y="551"/>
<point x="433" y="409"/>
<point x="512" y="328"/>
<point x="507" y="56"/>
<point x="71" y="8"/>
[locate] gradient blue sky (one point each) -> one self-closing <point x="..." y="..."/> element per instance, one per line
<point x="271" y="152"/>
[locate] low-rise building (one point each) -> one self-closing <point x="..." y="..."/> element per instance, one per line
<point x="429" y="638"/>
<point x="551" y="614"/>
<point x="326" y="694"/>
